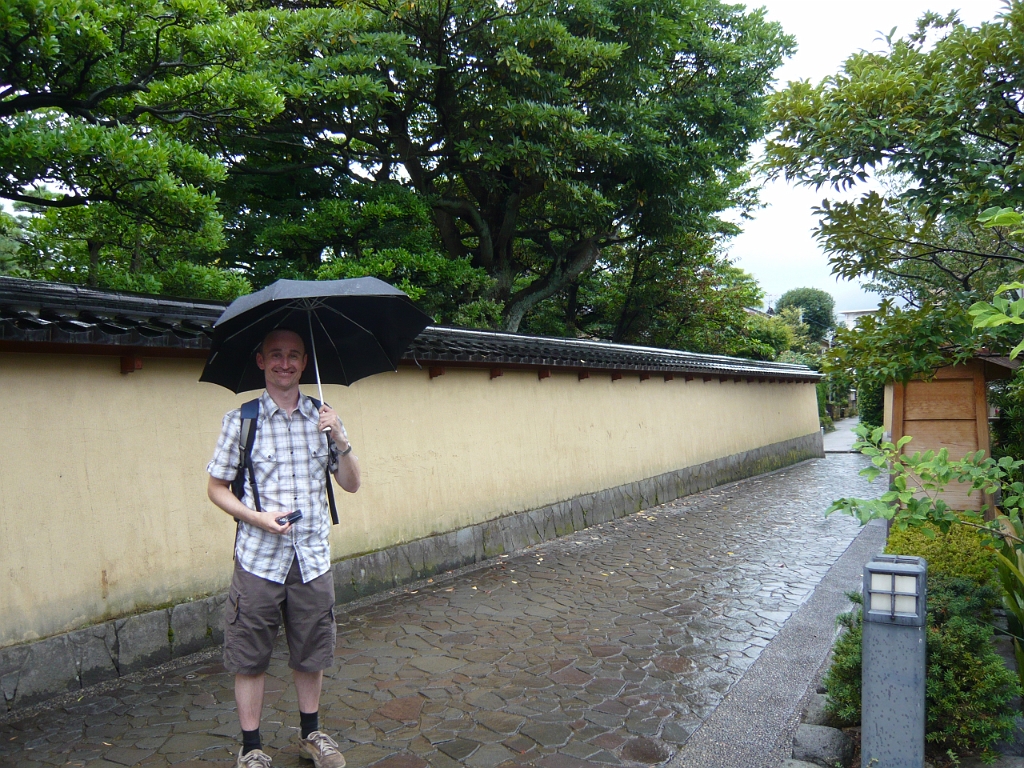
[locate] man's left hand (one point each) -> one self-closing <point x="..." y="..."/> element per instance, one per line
<point x="328" y="418"/>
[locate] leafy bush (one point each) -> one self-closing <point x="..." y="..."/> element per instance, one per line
<point x="450" y="290"/>
<point x="182" y="279"/>
<point x="950" y="598"/>
<point x="800" y="358"/>
<point x="201" y="281"/>
<point x="969" y="693"/>
<point x="770" y="332"/>
<point x="1008" y="429"/>
<point x="842" y="681"/>
<point x="871" y="403"/>
<point x="957" y="553"/>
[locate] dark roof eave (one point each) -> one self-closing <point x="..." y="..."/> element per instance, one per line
<point x="39" y="315"/>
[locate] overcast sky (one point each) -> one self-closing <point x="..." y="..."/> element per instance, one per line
<point x="777" y="246"/>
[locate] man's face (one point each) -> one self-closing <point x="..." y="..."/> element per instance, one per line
<point x="282" y="359"/>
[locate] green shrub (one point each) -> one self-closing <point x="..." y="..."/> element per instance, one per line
<point x="959" y="553"/>
<point x="871" y="403"/>
<point x="950" y="598"/>
<point x="842" y="681"/>
<point x="970" y="694"/>
<point x="1008" y="429"/>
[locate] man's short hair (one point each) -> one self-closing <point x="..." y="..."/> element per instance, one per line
<point x="263" y="344"/>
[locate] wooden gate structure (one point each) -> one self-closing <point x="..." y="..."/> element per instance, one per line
<point x="949" y="411"/>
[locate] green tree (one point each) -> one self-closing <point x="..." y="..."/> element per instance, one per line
<point x="10" y="245"/>
<point x="905" y="251"/>
<point x="772" y="331"/>
<point x="101" y="246"/>
<point x="817" y="309"/>
<point x="385" y="231"/>
<point x="793" y="319"/>
<point x="101" y="109"/>
<point x="100" y="102"/>
<point x="540" y="135"/>
<point x="871" y="403"/>
<point x="940" y="109"/>
<point x="679" y="294"/>
<point x="936" y="118"/>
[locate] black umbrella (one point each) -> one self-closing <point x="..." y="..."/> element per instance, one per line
<point x="353" y="329"/>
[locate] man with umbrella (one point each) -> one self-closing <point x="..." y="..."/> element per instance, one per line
<point x="362" y="326"/>
<point x="282" y="567"/>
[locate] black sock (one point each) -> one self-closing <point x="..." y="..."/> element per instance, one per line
<point x="309" y="722"/>
<point x="251" y="741"/>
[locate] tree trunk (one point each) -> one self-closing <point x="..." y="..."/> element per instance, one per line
<point x="93" y="280"/>
<point x="137" y="256"/>
<point x="572" y="307"/>
<point x="627" y="315"/>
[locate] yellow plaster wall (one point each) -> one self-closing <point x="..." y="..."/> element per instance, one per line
<point x="103" y="509"/>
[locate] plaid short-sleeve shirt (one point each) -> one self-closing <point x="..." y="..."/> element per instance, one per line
<point x="290" y="457"/>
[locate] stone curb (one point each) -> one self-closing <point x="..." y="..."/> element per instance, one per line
<point x="33" y="672"/>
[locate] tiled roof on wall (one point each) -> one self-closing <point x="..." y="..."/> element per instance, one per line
<point x="63" y="317"/>
<point x="457" y="345"/>
<point x="36" y="311"/>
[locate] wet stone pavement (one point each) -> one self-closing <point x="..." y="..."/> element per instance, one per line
<point x="606" y="647"/>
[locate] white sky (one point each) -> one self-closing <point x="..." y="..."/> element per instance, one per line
<point x="777" y="247"/>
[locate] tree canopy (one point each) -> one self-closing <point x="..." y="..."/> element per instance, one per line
<point x="504" y="163"/>
<point x="940" y="108"/>
<point x="817" y="309"/>
<point x="102" y="106"/>
<point x="681" y="294"/>
<point x="537" y="134"/>
<point x="100" y="102"/>
<point x="937" y="119"/>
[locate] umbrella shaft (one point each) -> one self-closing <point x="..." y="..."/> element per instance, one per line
<point x="316" y="368"/>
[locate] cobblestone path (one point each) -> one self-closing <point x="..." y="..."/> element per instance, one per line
<point x="606" y="647"/>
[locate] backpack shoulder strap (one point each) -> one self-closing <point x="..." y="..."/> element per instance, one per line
<point x="249" y="415"/>
<point x="330" y="485"/>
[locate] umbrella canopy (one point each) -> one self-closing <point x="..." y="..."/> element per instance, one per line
<point x="352" y="329"/>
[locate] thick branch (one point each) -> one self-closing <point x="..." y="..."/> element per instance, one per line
<point x="464" y="210"/>
<point x="66" y="201"/>
<point x="580" y="257"/>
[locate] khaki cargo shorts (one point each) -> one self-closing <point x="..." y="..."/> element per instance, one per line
<point x="253" y="614"/>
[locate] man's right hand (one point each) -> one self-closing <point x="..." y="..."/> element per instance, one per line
<point x="220" y="494"/>
<point x="268" y="522"/>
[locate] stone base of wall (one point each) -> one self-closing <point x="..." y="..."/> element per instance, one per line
<point x="33" y="672"/>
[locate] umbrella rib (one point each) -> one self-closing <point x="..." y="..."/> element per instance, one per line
<point x="364" y="330"/>
<point x="260" y="319"/>
<point x="327" y="333"/>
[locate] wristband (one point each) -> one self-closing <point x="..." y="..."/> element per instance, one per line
<point x="346" y="452"/>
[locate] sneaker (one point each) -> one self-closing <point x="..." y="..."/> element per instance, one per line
<point x="322" y="750"/>
<point x="257" y="758"/>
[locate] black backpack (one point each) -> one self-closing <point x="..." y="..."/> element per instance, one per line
<point x="246" y="440"/>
